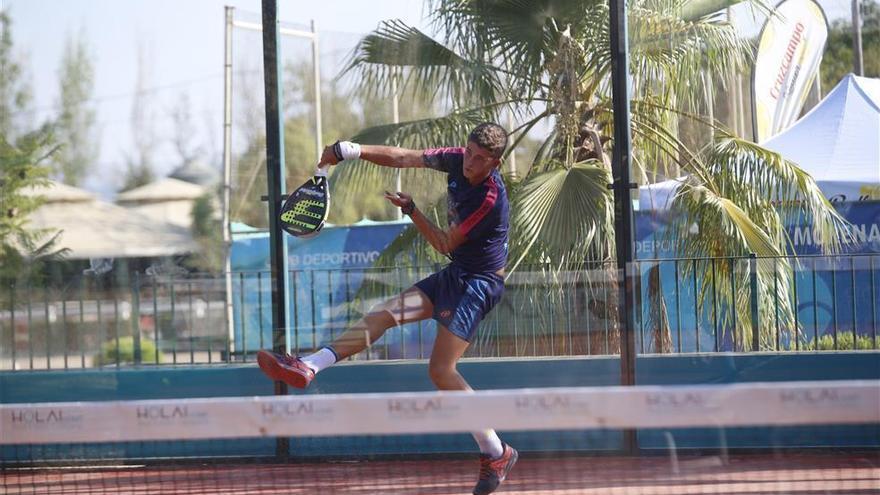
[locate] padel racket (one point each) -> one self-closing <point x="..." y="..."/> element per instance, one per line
<point x="305" y="211"/>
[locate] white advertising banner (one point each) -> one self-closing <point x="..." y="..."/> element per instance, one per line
<point x="786" y="64"/>
<point x="687" y="406"/>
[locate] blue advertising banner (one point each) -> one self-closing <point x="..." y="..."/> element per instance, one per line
<point x="834" y="295"/>
<point x="325" y="275"/>
<point x="652" y="241"/>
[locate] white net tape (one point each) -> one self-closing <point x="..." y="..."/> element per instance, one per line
<point x="744" y="404"/>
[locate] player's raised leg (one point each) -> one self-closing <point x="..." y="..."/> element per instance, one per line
<point x="411" y="305"/>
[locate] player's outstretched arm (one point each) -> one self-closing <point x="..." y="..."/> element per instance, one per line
<point x="444" y="241"/>
<point x="391" y="156"/>
<point x="386" y="156"/>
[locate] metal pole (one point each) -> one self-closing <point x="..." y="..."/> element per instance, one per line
<point x="316" y="62"/>
<point x="227" y="177"/>
<point x="275" y="178"/>
<point x="858" y="61"/>
<point x="622" y="188"/>
<point x="395" y="118"/>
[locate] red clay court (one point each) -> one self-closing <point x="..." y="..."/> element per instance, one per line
<point x="777" y="473"/>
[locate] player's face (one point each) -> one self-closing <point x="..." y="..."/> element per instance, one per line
<point x="478" y="162"/>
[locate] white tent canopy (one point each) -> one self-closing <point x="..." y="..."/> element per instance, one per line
<point x="837" y="143"/>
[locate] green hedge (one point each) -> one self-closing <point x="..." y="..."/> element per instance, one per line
<point x="108" y="354"/>
<point x="844" y="342"/>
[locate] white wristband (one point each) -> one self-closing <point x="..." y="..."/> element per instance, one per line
<point x="348" y="150"/>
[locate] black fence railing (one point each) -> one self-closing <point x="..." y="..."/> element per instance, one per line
<point x="805" y="304"/>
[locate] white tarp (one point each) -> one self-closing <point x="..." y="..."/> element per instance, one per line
<point x="837" y="143"/>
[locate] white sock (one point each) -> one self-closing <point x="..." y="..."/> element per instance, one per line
<point x="489" y="443"/>
<point x="317" y="361"/>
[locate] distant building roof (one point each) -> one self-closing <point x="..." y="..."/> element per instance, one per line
<point x="176" y="212"/>
<point x="56" y="192"/>
<point x="91" y="228"/>
<point x="167" y="189"/>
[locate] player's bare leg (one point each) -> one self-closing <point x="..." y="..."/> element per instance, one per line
<point x="442" y="368"/>
<point x="411" y="305"/>
<point x="497" y="458"/>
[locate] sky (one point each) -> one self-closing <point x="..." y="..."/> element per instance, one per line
<point x="182" y="42"/>
<point x="183" y="46"/>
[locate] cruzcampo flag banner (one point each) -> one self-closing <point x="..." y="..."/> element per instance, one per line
<point x="789" y="53"/>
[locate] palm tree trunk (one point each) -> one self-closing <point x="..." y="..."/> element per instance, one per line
<point x="658" y="318"/>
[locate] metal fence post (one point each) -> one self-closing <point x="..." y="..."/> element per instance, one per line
<point x="753" y="282"/>
<point x="623" y="207"/>
<point x="136" y="316"/>
<point x="275" y="179"/>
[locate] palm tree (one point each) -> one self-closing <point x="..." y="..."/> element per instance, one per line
<point x="548" y="63"/>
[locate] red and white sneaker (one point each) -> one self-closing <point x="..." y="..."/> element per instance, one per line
<point x="285" y="368"/>
<point x="494" y="471"/>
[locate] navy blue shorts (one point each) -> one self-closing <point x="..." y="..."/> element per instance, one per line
<point x="461" y="299"/>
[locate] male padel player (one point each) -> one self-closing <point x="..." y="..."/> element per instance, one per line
<point x="458" y="296"/>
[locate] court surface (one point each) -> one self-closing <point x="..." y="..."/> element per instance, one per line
<point x="752" y="474"/>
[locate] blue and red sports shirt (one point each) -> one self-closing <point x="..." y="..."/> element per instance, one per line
<point x="480" y="211"/>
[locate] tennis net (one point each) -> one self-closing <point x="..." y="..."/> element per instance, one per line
<point x="690" y="440"/>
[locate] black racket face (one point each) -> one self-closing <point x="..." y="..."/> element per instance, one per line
<point x="305" y="210"/>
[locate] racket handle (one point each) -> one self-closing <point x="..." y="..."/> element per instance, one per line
<point x="322" y="171"/>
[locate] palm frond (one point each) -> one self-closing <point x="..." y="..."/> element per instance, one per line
<point x="725" y="229"/>
<point x="432" y="69"/>
<point x="518" y="32"/>
<point x="672" y="56"/>
<point x="560" y="213"/>
<point x="761" y="180"/>
<point x="716" y="231"/>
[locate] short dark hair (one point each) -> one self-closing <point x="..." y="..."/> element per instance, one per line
<point x="490" y="136"/>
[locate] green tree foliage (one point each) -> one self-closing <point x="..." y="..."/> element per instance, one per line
<point x="75" y="124"/>
<point x="15" y="93"/>
<point x="208" y="233"/>
<point x="23" y="251"/>
<point x="122" y="351"/>
<point x="844" y="340"/>
<point x="838" y="58"/>
<point x="23" y="169"/>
